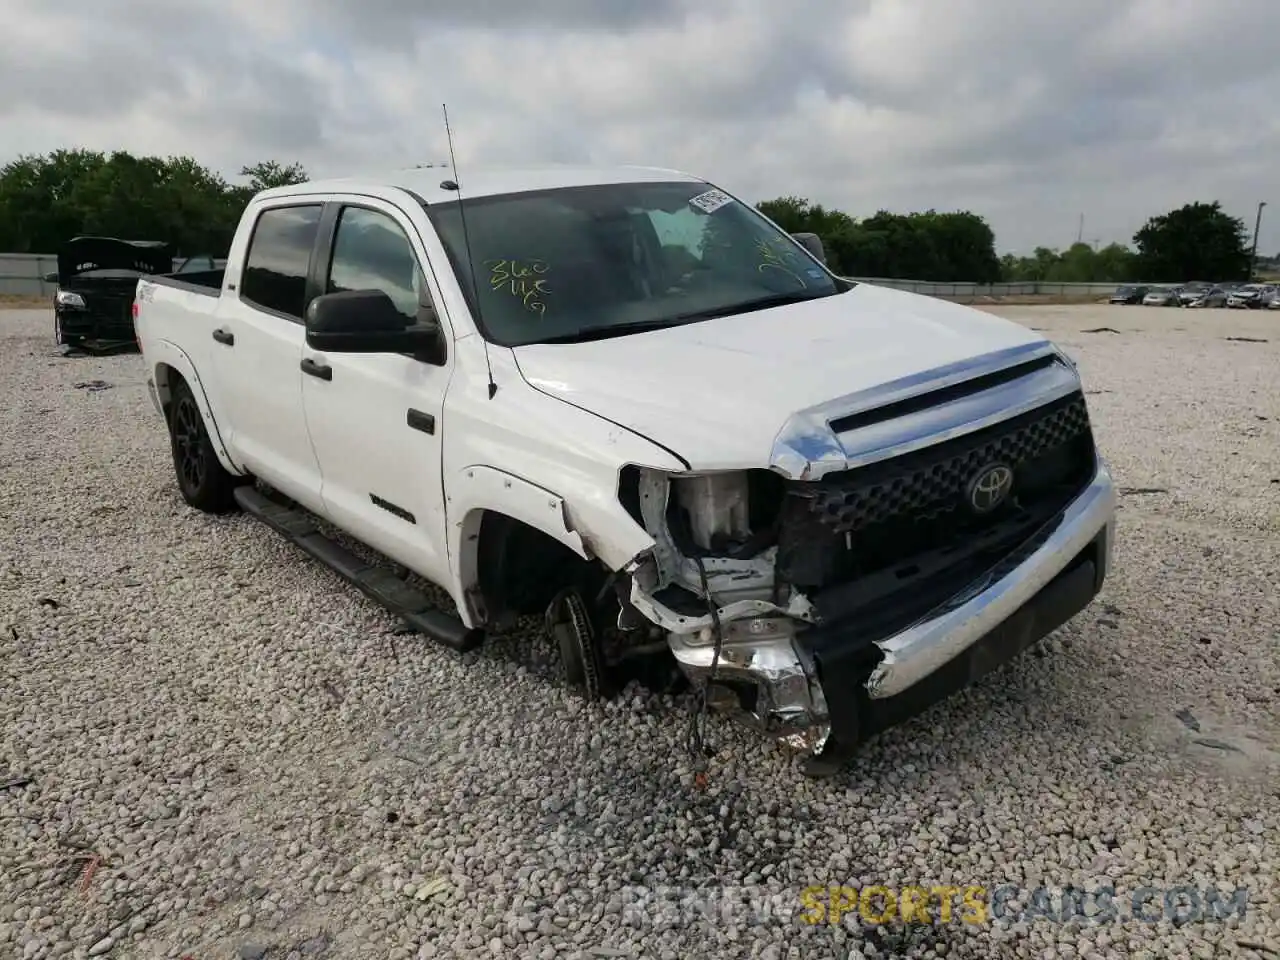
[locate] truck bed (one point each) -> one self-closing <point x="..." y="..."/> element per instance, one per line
<point x="207" y="283"/>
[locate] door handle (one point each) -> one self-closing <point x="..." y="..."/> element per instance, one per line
<point x="421" y="421"/>
<point x="224" y="336"/>
<point x="313" y="369"/>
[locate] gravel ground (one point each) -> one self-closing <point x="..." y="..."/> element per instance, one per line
<point x="231" y="754"/>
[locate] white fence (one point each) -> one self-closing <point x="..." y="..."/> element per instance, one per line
<point x="22" y="274"/>
<point x="948" y="291"/>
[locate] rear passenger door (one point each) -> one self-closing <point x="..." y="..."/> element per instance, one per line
<point x="376" y="419"/>
<point x="258" y="350"/>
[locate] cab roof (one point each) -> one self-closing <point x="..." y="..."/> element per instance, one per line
<point x="426" y="182"/>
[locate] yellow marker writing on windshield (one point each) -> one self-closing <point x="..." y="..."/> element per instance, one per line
<point x="523" y="279"/>
<point x="771" y="259"/>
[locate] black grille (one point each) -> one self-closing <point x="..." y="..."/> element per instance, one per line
<point x="934" y="481"/>
<point x="886" y="535"/>
<point x="105" y="316"/>
<point x="110" y="314"/>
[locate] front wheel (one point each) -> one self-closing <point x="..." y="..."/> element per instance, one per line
<point x="60" y="338"/>
<point x="581" y="662"/>
<point x="204" y="483"/>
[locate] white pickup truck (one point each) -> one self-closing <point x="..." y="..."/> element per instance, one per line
<point x="627" y="402"/>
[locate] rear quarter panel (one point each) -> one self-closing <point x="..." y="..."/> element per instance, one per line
<point x="174" y="327"/>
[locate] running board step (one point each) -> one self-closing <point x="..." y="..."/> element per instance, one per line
<point x="379" y="584"/>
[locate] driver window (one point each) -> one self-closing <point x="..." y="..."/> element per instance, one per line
<point x="371" y="252"/>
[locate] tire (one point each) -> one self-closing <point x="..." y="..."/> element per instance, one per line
<point x="203" y="482"/>
<point x="61" y="339"/>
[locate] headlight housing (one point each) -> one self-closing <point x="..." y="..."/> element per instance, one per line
<point x="65" y="298"/>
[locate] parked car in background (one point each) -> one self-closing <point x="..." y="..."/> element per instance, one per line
<point x="1251" y="296"/>
<point x="1213" y="297"/>
<point x="1274" y="302"/>
<point x="97" y="278"/>
<point x="1193" y="291"/>
<point x="1128" y="294"/>
<point x="1163" y="297"/>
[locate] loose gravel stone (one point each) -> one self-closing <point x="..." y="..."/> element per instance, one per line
<point x="223" y="749"/>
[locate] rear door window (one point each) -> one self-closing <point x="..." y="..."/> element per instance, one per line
<point x="275" y="269"/>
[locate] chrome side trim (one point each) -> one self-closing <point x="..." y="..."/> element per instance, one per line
<point x="919" y="650"/>
<point x="807" y="448"/>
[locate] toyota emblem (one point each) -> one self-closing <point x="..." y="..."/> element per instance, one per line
<point x="990" y="487"/>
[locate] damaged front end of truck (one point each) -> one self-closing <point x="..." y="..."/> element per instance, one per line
<point x="900" y="543"/>
<point x="711" y="582"/>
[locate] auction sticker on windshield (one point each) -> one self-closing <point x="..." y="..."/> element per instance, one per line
<point x="711" y="201"/>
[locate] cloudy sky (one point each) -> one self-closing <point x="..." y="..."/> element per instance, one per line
<point x="1029" y="112"/>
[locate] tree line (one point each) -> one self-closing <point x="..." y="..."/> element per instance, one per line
<point x="1199" y="241"/>
<point x="47" y="199"/>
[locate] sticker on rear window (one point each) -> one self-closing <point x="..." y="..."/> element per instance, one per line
<point x="711" y="201"/>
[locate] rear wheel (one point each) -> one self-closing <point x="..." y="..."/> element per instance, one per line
<point x="204" y="483"/>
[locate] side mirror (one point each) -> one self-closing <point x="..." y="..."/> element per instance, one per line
<point x="51" y="277"/>
<point x="366" y="321"/>
<point x="813" y="243"/>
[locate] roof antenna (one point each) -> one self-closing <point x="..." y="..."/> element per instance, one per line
<point x="466" y="243"/>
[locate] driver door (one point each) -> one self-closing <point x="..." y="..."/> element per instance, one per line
<point x="376" y="420"/>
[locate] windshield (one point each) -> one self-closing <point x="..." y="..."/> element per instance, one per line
<point x="587" y="262"/>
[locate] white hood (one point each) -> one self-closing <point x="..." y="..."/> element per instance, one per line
<point x="718" y="392"/>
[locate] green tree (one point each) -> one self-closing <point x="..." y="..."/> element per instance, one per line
<point x="37" y="213"/>
<point x="270" y="173"/>
<point x="47" y="200"/>
<point x="795" y="215"/>
<point x="1115" y="263"/>
<point x="1079" y="263"/>
<point x="964" y="246"/>
<point x="922" y="246"/>
<point x="1196" y="242"/>
<point x="919" y="246"/>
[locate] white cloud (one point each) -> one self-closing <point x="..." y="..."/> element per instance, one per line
<point x="1026" y="113"/>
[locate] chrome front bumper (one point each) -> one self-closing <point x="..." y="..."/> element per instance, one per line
<point x="916" y="652"/>
<point x="789" y="700"/>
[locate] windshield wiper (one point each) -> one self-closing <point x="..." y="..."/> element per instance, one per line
<point x="584" y="334"/>
<point x="747" y="306"/>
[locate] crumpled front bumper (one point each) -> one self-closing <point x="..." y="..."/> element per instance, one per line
<point x="803" y="683"/>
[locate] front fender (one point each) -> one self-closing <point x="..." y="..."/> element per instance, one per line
<point x="165" y="357"/>
<point x="476" y="490"/>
